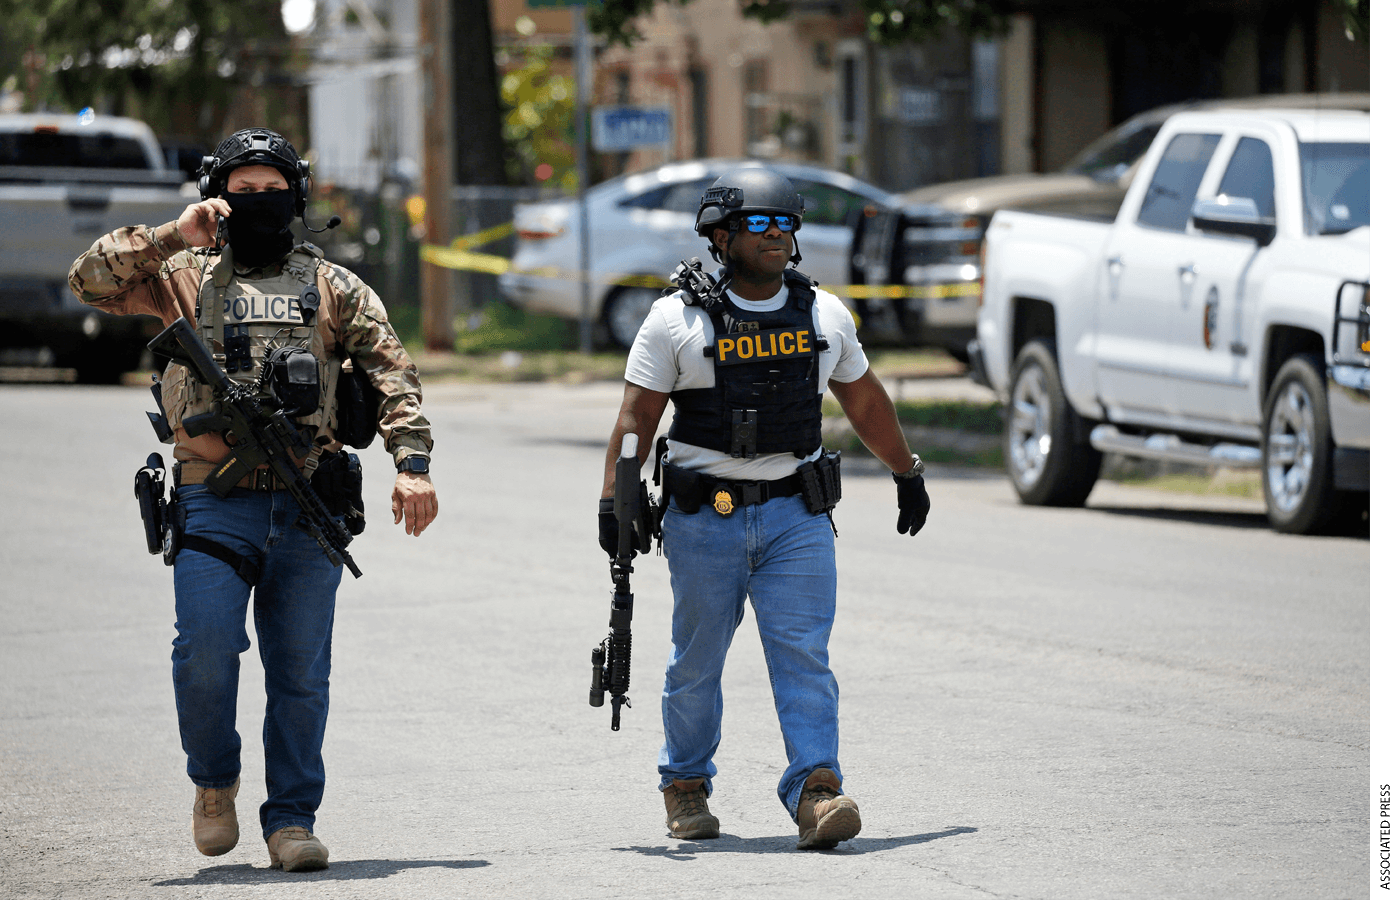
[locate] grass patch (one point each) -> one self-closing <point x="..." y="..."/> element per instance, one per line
<point x="984" y="457"/>
<point x="963" y="415"/>
<point x="499" y="327"/>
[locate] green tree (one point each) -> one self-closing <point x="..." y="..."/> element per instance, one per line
<point x="538" y="102"/>
<point x="174" y="63"/>
<point x="887" y="21"/>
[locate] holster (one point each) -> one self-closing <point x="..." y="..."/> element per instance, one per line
<point x="339" y="481"/>
<point x="821" y="481"/>
<point x="150" y="496"/>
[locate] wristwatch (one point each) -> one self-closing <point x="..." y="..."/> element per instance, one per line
<point x="914" y="471"/>
<point x="418" y="465"/>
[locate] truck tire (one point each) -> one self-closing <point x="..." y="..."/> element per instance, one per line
<point x="1050" y="464"/>
<point x="1298" y="453"/>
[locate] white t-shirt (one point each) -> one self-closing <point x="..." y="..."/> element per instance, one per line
<point x="669" y="355"/>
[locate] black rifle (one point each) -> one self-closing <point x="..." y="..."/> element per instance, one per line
<point x="612" y="659"/>
<point x="257" y="434"/>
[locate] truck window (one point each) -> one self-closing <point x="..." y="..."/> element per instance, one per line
<point x="1250" y="174"/>
<point x="1173" y="188"/>
<point x="100" y="150"/>
<point x="1336" y="186"/>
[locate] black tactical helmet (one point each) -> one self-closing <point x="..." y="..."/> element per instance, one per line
<point x="255" y="147"/>
<point x="749" y="190"/>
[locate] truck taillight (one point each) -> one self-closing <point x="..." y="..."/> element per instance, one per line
<point x="537" y="234"/>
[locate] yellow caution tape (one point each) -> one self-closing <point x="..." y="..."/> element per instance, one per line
<point x="490" y="235"/>
<point x="931" y="291"/>
<point x="452" y="258"/>
<point x="459" y="256"/>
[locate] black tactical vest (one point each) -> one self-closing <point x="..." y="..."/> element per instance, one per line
<point x="765" y="397"/>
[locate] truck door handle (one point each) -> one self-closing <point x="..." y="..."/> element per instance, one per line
<point x="1115" y="264"/>
<point x="1187" y="273"/>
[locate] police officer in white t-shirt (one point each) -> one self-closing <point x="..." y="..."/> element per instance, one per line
<point x="748" y="492"/>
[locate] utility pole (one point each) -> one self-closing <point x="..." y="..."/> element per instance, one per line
<point x="583" y="91"/>
<point x="435" y="46"/>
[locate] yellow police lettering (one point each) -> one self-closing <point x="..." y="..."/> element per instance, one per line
<point x="785" y="343"/>
<point x="758" y="346"/>
<point x="802" y="345"/>
<point x="726" y="347"/>
<point x="745" y="347"/>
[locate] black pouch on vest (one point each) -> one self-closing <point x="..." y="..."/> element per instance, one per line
<point x="296" y="380"/>
<point x="684" y="487"/>
<point x="339" y="481"/>
<point x="821" y="481"/>
<point x="357" y="408"/>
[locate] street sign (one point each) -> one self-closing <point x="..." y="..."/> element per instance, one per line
<point x="618" y="128"/>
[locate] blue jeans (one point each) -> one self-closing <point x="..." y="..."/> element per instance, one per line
<point x="783" y="558"/>
<point x="293" y="611"/>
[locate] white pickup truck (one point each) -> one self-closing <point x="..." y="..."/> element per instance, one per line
<point x="1223" y="317"/>
<point x="64" y="181"/>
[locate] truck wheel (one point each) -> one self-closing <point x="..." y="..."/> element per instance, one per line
<point x="1048" y="464"/>
<point x="1298" y="451"/>
<point x="105" y="364"/>
<point x="624" y="312"/>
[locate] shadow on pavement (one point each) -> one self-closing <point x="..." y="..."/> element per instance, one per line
<point x="1198" y="516"/>
<point x="346" y="870"/>
<point x="728" y="843"/>
<point x="1259" y="521"/>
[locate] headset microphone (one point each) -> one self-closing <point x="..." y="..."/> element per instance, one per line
<point x="330" y="223"/>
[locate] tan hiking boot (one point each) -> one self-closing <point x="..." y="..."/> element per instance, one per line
<point x="825" y="816"/>
<point x="215" y="823"/>
<point x="687" y="814"/>
<point x="294" y="849"/>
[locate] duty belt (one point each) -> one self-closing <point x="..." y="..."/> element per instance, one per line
<point x="196" y="470"/>
<point x="691" y="490"/>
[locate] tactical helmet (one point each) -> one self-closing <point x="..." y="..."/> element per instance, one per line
<point x="255" y="147"/>
<point x="748" y="190"/>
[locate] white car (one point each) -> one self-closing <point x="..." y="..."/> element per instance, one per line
<point x="642" y="225"/>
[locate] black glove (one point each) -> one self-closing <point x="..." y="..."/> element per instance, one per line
<point x="607" y="529"/>
<point x="913" y="504"/>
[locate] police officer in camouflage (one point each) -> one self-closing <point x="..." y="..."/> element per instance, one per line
<point x="745" y="360"/>
<point x="247" y="289"/>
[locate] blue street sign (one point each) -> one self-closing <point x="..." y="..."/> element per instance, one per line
<point x="618" y="128"/>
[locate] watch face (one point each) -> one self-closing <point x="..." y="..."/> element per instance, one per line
<point x="415" y="464"/>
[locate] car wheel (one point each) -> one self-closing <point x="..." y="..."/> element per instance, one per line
<point x="1049" y="464"/>
<point x="1298" y="452"/>
<point x="624" y="312"/>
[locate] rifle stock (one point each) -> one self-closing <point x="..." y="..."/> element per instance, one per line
<point x="256" y="435"/>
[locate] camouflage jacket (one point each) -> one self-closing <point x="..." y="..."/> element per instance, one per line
<point x="143" y="269"/>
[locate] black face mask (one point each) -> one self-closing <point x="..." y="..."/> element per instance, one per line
<point x="258" y="229"/>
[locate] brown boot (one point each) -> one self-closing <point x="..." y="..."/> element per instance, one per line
<point x="215" y="823"/>
<point x="294" y="849"/>
<point x="825" y="816"/>
<point x="687" y="814"/>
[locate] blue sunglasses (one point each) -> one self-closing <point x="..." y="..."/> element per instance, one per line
<point x="759" y="223"/>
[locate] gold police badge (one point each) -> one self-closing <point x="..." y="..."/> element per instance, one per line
<point x="724" y="504"/>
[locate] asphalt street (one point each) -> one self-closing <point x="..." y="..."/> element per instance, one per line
<point x="1154" y="697"/>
